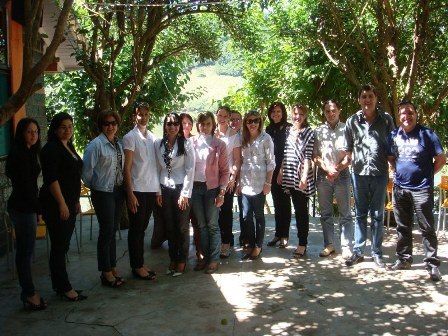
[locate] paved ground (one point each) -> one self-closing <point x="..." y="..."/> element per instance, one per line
<point x="276" y="295"/>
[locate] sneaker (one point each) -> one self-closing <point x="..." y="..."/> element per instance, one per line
<point x="434" y="273"/>
<point x="225" y="251"/>
<point x="346" y="253"/>
<point x="399" y="265"/>
<point x="354" y="259"/>
<point x="329" y="249"/>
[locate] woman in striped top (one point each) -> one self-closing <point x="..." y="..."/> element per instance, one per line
<point x="296" y="175"/>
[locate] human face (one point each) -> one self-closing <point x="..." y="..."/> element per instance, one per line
<point x="253" y="124"/>
<point x="408" y="117"/>
<point x="109" y="127"/>
<point x="368" y="100"/>
<point x="235" y="121"/>
<point x="65" y="130"/>
<point x="298" y="117"/>
<point x="142" y="117"/>
<point x="186" y="126"/>
<point x="172" y="126"/>
<point x="206" y="126"/>
<point x="222" y="117"/>
<point x="332" y="113"/>
<point x="276" y="114"/>
<point x="31" y="135"/>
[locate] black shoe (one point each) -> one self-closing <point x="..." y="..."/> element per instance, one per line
<point x="110" y="283"/>
<point x="151" y="275"/>
<point x="354" y="259"/>
<point x="399" y="265"/>
<point x="77" y="298"/>
<point x="274" y="241"/>
<point x="255" y="257"/>
<point x="434" y="273"/>
<point x="28" y="305"/>
<point x="378" y="260"/>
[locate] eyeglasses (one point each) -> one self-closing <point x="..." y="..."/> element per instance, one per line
<point x="110" y="123"/>
<point x="253" y="121"/>
<point x="175" y="123"/>
<point x="235" y="119"/>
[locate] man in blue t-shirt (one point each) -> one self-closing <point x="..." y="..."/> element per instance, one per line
<point x="415" y="154"/>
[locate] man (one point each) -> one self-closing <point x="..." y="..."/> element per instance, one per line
<point x="415" y="154"/>
<point x="333" y="179"/>
<point x="365" y="136"/>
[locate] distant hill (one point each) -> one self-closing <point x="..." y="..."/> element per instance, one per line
<point x="211" y="86"/>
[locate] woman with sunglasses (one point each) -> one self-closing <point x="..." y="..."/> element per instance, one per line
<point x="175" y="160"/>
<point x="277" y="129"/>
<point x="59" y="198"/>
<point x="296" y="174"/>
<point x="255" y="179"/>
<point x="233" y="144"/>
<point x="211" y="176"/>
<point x="103" y="174"/>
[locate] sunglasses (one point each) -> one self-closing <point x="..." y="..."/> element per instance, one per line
<point x="253" y="121"/>
<point x="175" y="123"/>
<point x="109" y="123"/>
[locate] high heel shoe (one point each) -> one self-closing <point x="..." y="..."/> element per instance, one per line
<point x="110" y="283"/>
<point x="180" y="269"/>
<point x="283" y="243"/>
<point x="255" y="257"/>
<point x="247" y="255"/>
<point x="299" y="254"/>
<point x="28" y="305"/>
<point x="151" y="275"/>
<point x="274" y="241"/>
<point x="77" y="298"/>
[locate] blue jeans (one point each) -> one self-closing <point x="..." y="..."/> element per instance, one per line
<point x="253" y="207"/>
<point x="405" y="201"/>
<point x="370" y="194"/>
<point x="176" y="224"/>
<point x="340" y="189"/>
<point x="108" y="208"/>
<point x="203" y="202"/>
<point x="25" y="228"/>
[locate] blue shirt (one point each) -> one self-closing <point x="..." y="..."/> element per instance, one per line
<point x="414" y="153"/>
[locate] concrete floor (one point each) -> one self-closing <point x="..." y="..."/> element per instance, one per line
<point x="276" y="295"/>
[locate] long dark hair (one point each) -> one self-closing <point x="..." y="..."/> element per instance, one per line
<point x="180" y="135"/>
<point x="283" y="121"/>
<point x="19" y="138"/>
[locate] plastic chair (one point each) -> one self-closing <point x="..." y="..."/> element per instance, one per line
<point x="443" y="203"/>
<point x="389" y="208"/>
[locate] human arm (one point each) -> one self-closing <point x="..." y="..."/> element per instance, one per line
<point x="131" y="200"/>
<point x="236" y="153"/>
<point x="439" y="162"/>
<point x="90" y="160"/>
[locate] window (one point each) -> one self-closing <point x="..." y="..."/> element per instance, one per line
<point x="3" y="38"/>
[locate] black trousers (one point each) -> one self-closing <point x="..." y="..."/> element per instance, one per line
<point x="225" y="219"/>
<point x="282" y="207"/>
<point x="138" y="223"/>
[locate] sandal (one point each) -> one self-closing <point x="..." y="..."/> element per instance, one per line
<point x="299" y="252"/>
<point x="274" y="241"/>
<point x="151" y="275"/>
<point x="110" y="283"/>
<point x="28" y="305"/>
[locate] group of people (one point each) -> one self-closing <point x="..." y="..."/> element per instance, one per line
<point x="193" y="178"/>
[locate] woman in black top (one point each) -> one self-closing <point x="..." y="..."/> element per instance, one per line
<point x="22" y="167"/>
<point x="282" y="204"/>
<point x="59" y="195"/>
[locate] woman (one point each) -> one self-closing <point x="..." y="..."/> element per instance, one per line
<point x="23" y="168"/>
<point x="296" y="174"/>
<point x="59" y="196"/>
<point x="141" y="184"/>
<point x="103" y="173"/>
<point x="233" y="144"/>
<point x="210" y="182"/>
<point x="255" y="179"/>
<point x="175" y="160"/>
<point x="187" y="126"/>
<point x="277" y="129"/>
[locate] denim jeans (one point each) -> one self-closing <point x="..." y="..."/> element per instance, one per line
<point x="340" y="189"/>
<point x="282" y="207"/>
<point x="253" y="207"/>
<point x="203" y="202"/>
<point x="108" y="207"/>
<point x="225" y="220"/>
<point x="176" y="224"/>
<point x="25" y="228"/>
<point x="370" y="194"/>
<point x="405" y="201"/>
<point x="301" y="208"/>
<point x="138" y="223"/>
